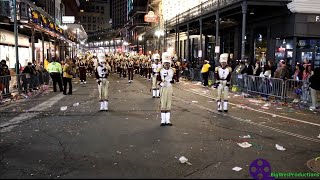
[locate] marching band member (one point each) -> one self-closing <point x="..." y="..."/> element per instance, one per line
<point x="102" y="72"/>
<point x="166" y="75"/>
<point x="223" y="77"/>
<point x="155" y="73"/>
<point x="83" y="71"/>
<point x="130" y="70"/>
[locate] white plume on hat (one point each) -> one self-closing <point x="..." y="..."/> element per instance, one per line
<point x="224" y="58"/>
<point x="156" y="56"/>
<point x="101" y="57"/>
<point x="166" y="58"/>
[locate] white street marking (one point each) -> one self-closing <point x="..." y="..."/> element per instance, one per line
<point x="6" y="126"/>
<point x="250" y="122"/>
<point x="272" y="114"/>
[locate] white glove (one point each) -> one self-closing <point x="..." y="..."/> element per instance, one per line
<point x="162" y="84"/>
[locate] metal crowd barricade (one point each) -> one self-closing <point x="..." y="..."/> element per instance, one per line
<point x="239" y="81"/>
<point x="13" y="84"/>
<point x="265" y="86"/>
<point x="297" y="89"/>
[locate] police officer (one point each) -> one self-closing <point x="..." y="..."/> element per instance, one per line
<point x="102" y="72"/>
<point x="166" y="74"/>
<point x="223" y="77"/>
<point x="55" y="71"/>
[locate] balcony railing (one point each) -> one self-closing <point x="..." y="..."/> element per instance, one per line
<point x="202" y="9"/>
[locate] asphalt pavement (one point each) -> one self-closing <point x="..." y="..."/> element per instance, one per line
<point x="39" y="140"/>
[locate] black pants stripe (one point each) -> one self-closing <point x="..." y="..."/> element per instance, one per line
<point x="130" y="74"/>
<point x="56" y="78"/>
<point x="65" y="82"/>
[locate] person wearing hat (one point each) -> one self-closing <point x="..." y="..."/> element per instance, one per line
<point x="155" y="73"/>
<point x="205" y="72"/>
<point x="222" y="77"/>
<point x="166" y="74"/>
<point x="130" y="65"/>
<point x="83" y="71"/>
<point x="102" y="72"/>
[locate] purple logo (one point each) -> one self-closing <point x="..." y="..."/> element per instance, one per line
<point x="260" y="169"/>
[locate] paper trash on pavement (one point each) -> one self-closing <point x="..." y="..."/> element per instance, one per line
<point x="183" y="160"/>
<point x="245" y="137"/>
<point x="237" y="168"/>
<point x="76" y="104"/>
<point x="63" y="108"/>
<point x="195" y="101"/>
<point x="244" y="144"/>
<point x="280" y="148"/>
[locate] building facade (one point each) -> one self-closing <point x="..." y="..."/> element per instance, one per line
<point x="39" y="34"/>
<point x="246" y="29"/>
<point x="94" y="16"/>
<point x="119" y="13"/>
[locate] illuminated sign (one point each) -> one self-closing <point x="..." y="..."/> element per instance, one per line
<point x="68" y="19"/>
<point x="151" y="17"/>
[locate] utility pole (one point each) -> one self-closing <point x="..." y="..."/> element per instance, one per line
<point x="16" y="42"/>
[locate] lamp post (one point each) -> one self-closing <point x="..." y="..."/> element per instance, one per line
<point x="16" y="43"/>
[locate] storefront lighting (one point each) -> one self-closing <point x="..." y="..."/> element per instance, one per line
<point x="21" y="26"/>
<point x="65" y="27"/>
<point x="159" y="33"/>
<point x="140" y="38"/>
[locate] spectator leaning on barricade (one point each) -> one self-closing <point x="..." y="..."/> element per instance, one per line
<point x="282" y="72"/>
<point x="5" y="79"/>
<point x="248" y="69"/>
<point x="265" y="86"/>
<point x="272" y="67"/>
<point x="205" y="72"/>
<point x="307" y="73"/>
<point x="297" y="76"/>
<point x="257" y="69"/>
<point x="314" y="87"/>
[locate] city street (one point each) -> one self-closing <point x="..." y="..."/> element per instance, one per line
<point x="39" y="140"/>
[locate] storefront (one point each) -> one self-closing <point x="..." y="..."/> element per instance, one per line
<point x="7" y="48"/>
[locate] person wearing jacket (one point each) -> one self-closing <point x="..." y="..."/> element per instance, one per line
<point x="166" y="74"/>
<point x="205" y="72"/>
<point x="314" y="87"/>
<point x="67" y="76"/>
<point x="55" y="70"/>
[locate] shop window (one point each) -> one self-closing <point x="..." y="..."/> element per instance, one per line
<point x="284" y="50"/>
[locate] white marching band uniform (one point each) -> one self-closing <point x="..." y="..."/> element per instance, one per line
<point x="155" y="72"/>
<point x="223" y="77"/>
<point x="102" y="71"/>
<point x="166" y="90"/>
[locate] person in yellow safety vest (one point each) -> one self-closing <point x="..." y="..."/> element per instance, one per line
<point x="46" y="63"/>
<point x="55" y="70"/>
<point x="205" y="72"/>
